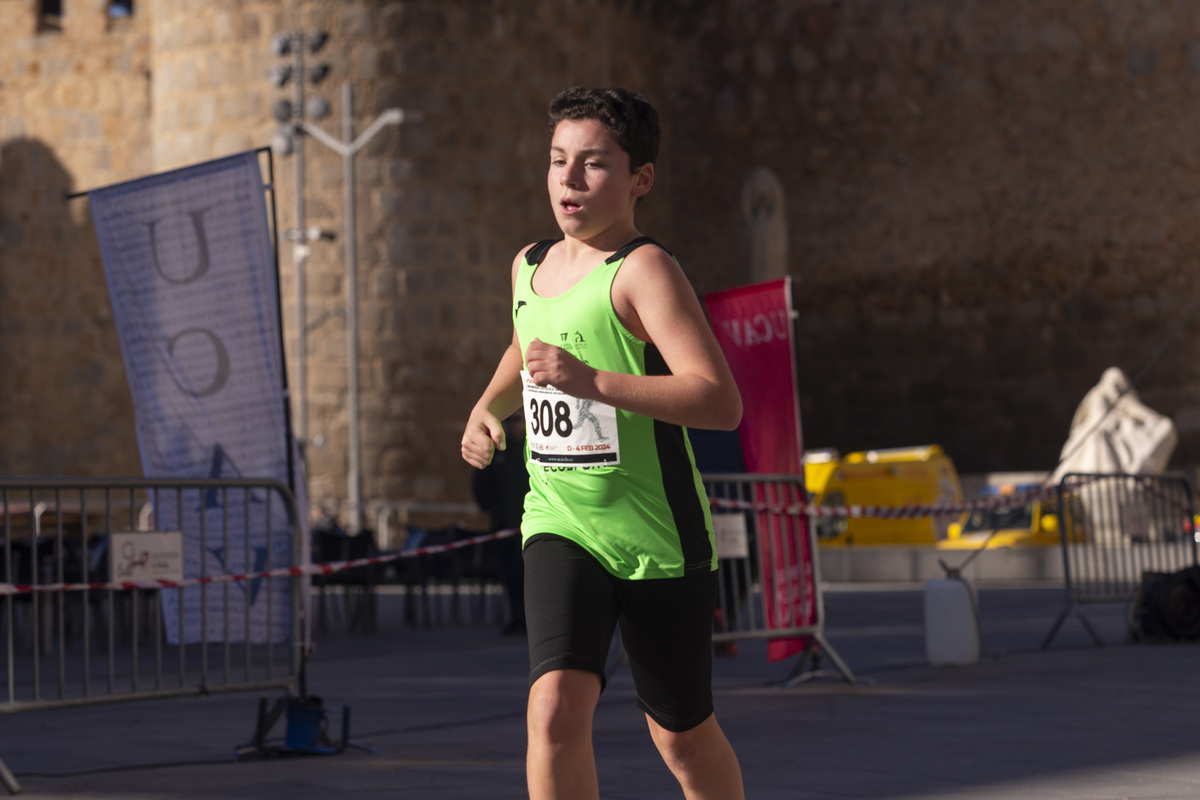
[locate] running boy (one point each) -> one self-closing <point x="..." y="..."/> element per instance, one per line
<point x="611" y="358"/>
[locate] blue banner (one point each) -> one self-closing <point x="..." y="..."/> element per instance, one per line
<point x="192" y="278"/>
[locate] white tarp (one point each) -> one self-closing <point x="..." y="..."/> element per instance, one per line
<point x="1113" y="432"/>
<point x="191" y="275"/>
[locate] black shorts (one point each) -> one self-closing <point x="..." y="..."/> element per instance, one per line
<point x="573" y="605"/>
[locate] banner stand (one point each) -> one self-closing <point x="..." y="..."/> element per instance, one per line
<point x="185" y="261"/>
<point x="306" y="731"/>
<point x="768" y="575"/>
<point x="811" y="655"/>
<point x="191" y="259"/>
<point x="755" y="329"/>
<point x="808" y="667"/>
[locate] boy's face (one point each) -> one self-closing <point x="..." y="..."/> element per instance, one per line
<point x="592" y="189"/>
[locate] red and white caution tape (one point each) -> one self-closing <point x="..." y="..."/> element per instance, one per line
<point x="328" y="568"/>
<point x="332" y="567"/>
<point x="801" y="508"/>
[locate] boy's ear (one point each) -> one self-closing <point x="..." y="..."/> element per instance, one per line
<point x="643" y="179"/>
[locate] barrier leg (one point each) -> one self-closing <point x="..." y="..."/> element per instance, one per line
<point x="1088" y="626"/>
<point x="800" y="672"/>
<point x="815" y="644"/>
<point x="9" y="781"/>
<point x="836" y="659"/>
<point x="264" y="721"/>
<point x="346" y="735"/>
<point x="1058" y="623"/>
<point x="1072" y="608"/>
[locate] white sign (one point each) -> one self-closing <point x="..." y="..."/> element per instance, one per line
<point x="145" y="556"/>
<point x="569" y="430"/>
<point x="729" y="530"/>
<point x="1135" y="521"/>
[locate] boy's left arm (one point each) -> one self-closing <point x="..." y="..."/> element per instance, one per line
<point x="655" y="301"/>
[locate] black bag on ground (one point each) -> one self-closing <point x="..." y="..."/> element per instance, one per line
<point x="1168" y="606"/>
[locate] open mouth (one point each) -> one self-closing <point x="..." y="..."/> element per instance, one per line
<point x="568" y="207"/>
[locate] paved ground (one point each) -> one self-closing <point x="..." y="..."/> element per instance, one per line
<point x="444" y="709"/>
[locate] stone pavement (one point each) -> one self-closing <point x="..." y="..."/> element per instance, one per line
<point x="444" y="709"/>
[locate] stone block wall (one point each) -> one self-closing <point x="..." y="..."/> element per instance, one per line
<point x="442" y="203"/>
<point x="988" y="203"/>
<point x="74" y="101"/>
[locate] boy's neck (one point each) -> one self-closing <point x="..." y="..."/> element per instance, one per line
<point x="572" y="259"/>
<point x="608" y="242"/>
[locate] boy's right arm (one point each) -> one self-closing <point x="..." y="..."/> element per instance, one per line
<point x="485" y="427"/>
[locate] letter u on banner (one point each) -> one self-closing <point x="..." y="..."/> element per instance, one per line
<point x="191" y="274"/>
<point x="753" y="325"/>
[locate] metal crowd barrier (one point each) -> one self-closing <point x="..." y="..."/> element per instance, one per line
<point x="1116" y="528"/>
<point x="769" y="570"/>
<point x="72" y="638"/>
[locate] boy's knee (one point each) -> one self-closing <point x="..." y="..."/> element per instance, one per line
<point x="561" y="706"/>
<point x="679" y="748"/>
<point x="683" y="747"/>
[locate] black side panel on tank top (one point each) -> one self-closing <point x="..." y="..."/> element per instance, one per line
<point x="634" y="245"/>
<point x="537" y="253"/>
<point x="678" y="484"/>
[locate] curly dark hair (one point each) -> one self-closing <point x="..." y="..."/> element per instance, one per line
<point x="632" y="121"/>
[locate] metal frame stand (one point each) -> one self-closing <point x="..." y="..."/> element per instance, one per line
<point x="814" y="644"/>
<point x="8" y="780"/>
<point x="1072" y="609"/>
<point x="347" y="148"/>
<point x="302" y="736"/>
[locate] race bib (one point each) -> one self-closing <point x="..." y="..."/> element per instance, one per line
<point x="566" y="430"/>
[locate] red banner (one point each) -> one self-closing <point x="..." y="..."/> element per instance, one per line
<point x="789" y="582"/>
<point x="753" y="325"/>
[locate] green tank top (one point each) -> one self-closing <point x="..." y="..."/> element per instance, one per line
<point x="621" y="485"/>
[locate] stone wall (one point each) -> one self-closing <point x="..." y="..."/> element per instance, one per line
<point x="442" y="203"/>
<point x="74" y="100"/>
<point x="437" y="306"/>
<point x="988" y="204"/>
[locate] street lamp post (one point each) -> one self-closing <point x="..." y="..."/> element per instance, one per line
<point x="288" y="142"/>
<point x="294" y="117"/>
<point x="347" y="148"/>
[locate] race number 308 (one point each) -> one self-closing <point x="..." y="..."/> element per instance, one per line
<point x="547" y="420"/>
<point x="569" y="431"/>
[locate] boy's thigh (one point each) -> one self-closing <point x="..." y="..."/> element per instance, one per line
<point x="571" y="607"/>
<point x="666" y="630"/>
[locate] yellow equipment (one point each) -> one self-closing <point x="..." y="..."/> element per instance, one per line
<point x="906" y="476"/>
<point x="1034" y="523"/>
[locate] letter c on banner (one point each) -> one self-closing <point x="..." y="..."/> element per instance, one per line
<point x="768" y="332"/>
<point x="220" y="375"/>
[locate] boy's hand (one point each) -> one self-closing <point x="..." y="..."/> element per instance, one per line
<point x="552" y="366"/>
<point x="483" y="436"/>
